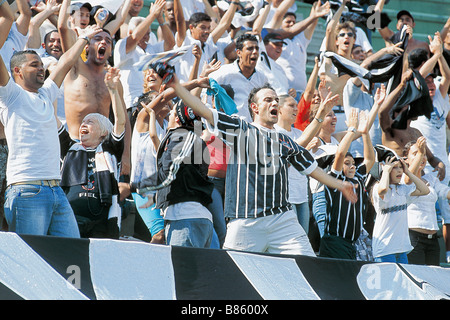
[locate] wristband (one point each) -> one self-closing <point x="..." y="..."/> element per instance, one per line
<point x="351" y="129"/>
<point x="163" y="24"/>
<point x="319" y="120"/>
<point x="86" y="38"/>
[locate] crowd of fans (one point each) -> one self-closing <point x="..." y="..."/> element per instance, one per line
<point x="202" y="118"/>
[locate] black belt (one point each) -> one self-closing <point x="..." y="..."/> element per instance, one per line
<point x="424" y="235"/>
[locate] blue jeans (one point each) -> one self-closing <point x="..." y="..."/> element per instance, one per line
<point x="151" y="216"/>
<point x="302" y="211"/>
<point x="319" y="209"/>
<point x="40" y="210"/>
<point x="189" y="233"/>
<point x="216" y="209"/>
<point x="395" y="257"/>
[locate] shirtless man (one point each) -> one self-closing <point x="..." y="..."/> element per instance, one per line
<point x="84" y="87"/>
<point x="395" y="139"/>
<point x="403" y="18"/>
<point x="340" y="38"/>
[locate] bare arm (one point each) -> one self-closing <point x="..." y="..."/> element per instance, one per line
<point x="34" y="37"/>
<point x="316" y="13"/>
<point x="6" y="21"/>
<point x="112" y="81"/>
<point x="345" y="187"/>
<point x="69" y="58"/>
<point x="137" y="34"/>
<point x="23" y="21"/>
<point x="225" y="22"/>
<point x="180" y="22"/>
<point x="344" y="145"/>
<point x="385" y="32"/>
<point x="68" y="36"/>
<point x="192" y="101"/>
<point x="121" y="15"/>
<point x="330" y="33"/>
<point x="314" y="127"/>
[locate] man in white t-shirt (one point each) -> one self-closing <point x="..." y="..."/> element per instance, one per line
<point x="271" y="50"/>
<point x="35" y="204"/>
<point x="242" y="74"/>
<point x="200" y="34"/>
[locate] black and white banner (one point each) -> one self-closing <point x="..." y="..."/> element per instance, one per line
<point x="52" y="268"/>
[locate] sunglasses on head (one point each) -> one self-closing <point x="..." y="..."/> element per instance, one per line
<point x="350" y="34"/>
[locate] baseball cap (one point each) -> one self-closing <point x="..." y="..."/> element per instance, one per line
<point x="404" y="13"/>
<point x="185" y="114"/>
<point x="78" y="5"/>
<point x="273" y="37"/>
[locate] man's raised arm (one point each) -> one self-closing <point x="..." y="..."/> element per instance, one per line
<point x="70" y="57"/>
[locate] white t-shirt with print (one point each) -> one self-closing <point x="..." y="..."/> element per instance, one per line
<point x="390" y="232"/>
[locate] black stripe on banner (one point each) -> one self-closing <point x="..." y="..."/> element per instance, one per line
<point x="8" y="294"/>
<point x="332" y="279"/>
<point x="63" y="255"/>
<point x="207" y="274"/>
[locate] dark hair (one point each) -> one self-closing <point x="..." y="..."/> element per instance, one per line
<point x="198" y="17"/>
<point x="48" y="34"/>
<point x="252" y="96"/>
<point x="245" y="37"/>
<point x="416" y="57"/>
<point x="290" y="14"/>
<point x="19" y="57"/>
<point x="229" y="90"/>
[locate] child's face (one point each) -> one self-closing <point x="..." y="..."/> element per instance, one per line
<point x="396" y="173"/>
<point x="413" y="153"/>
<point x="349" y="168"/>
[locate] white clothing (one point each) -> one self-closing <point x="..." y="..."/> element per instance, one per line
<point x="421" y="210"/>
<point x="390" y="232"/>
<point x="435" y="131"/>
<point x="15" y="42"/>
<point x="143" y="153"/>
<point x="354" y="97"/>
<point x="187" y="210"/>
<point x="185" y="63"/>
<point x="275" y="73"/>
<point x="231" y="74"/>
<point x="191" y="6"/>
<point x="132" y="79"/>
<point x="294" y="59"/>
<point x="298" y="183"/>
<point x="31" y="132"/>
<point x="276" y="233"/>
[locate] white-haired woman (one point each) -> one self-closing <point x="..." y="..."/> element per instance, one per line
<point x="90" y="167"/>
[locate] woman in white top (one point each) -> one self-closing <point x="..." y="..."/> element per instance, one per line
<point x="422" y="218"/>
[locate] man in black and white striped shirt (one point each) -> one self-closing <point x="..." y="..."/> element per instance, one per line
<point x="256" y="201"/>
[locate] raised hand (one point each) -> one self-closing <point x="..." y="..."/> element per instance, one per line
<point x="380" y="95"/>
<point x="363" y="126"/>
<point x="112" y="78"/>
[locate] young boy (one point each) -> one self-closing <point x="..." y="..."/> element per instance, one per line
<point x="344" y="220"/>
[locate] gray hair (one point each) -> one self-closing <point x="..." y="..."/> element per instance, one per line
<point x="106" y="126"/>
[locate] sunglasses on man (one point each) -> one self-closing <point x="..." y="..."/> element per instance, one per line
<point x="350" y="34"/>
